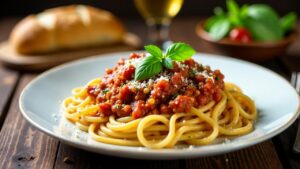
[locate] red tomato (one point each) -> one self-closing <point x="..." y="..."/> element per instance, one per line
<point x="240" y="34"/>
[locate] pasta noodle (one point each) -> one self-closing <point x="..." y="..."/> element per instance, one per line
<point x="186" y="104"/>
<point x="233" y="115"/>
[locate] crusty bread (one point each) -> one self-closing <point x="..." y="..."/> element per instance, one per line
<point x="67" y="27"/>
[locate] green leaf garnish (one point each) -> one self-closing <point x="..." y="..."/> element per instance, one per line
<point x="118" y="106"/>
<point x="192" y="73"/>
<point x="149" y="67"/>
<point x="263" y="23"/>
<point x="220" y="29"/>
<point x="180" y="51"/>
<point x="244" y="12"/>
<point x="168" y="63"/>
<point x="261" y="20"/>
<point x="153" y="64"/>
<point x="219" y="14"/>
<point x="288" y="21"/>
<point x="105" y="91"/>
<point x="154" y="51"/>
<point x="233" y="10"/>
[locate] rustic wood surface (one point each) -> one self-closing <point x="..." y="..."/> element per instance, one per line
<point x="23" y="146"/>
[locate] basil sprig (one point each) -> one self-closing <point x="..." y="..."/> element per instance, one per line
<point x="154" y="63"/>
<point x="261" y="20"/>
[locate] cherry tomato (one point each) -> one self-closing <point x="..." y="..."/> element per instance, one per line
<point x="240" y="34"/>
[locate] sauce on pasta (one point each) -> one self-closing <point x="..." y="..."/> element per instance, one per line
<point x="189" y="84"/>
<point x="188" y="104"/>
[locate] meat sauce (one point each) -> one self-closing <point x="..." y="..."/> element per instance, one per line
<point x="189" y="84"/>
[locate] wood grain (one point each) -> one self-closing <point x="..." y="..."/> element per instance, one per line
<point x="73" y="158"/>
<point x="285" y="141"/>
<point x="23" y="146"/>
<point x="261" y="156"/>
<point x="8" y="78"/>
<point x="8" y="81"/>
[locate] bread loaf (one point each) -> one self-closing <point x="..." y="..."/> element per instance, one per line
<point x="67" y="27"/>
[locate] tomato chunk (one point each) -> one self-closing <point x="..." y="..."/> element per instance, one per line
<point x="240" y="34"/>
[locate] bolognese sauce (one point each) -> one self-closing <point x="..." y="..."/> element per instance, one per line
<point x="188" y="84"/>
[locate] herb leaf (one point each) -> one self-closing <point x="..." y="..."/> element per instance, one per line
<point x="233" y="10"/>
<point x="153" y="64"/>
<point x="263" y="23"/>
<point x="260" y="31"/>
<point x="147" y="68"/>
<point x="154" y="51"/>
<point x="168" y="63"/>
<point x="180" y="51"/>
<point x="211" y="21"/>
<point x="105" y="91"/>
<point x="219" y="29"/>
<point x="243" y="12"/>
<point x="288" y="21"/>
<point x="192" y="73"/>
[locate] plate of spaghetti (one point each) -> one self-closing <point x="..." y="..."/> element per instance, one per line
<point x="160" y="105"/>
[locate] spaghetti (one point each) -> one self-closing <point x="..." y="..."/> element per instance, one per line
<point x="184" y="118"/>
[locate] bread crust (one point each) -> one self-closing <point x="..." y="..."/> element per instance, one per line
<point x="68" y="27"/>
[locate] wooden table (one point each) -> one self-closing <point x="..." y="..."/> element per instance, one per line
<point x="23" y="146"/>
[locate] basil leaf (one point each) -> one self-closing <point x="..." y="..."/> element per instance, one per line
<point x="260" y="31"/>
<point x="219" y="29"/>
<point x="168" y="63"/>
<point x="261" y="11"/>
<point x="288" y="22"/>
<point x="263" y="22"/>
<point x="147" y="68"/>
<point x="212" y="20"/>
<point x="244" y="11"/>
<point x="180" y="51"/>
<point x="154" y="51"/>
<point x="219" y="14"/>
<point x="233" y="11"/>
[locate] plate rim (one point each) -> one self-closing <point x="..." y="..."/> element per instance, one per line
<point x="150" y="153"/>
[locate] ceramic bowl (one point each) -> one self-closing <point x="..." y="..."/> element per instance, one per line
<point x="252" y="51"/>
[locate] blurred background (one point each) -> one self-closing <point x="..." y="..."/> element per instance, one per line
<point x="182" y="28"/>
<point x="125" y="8"/>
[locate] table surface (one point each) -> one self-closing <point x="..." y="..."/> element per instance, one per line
<point x="23" y="146"/>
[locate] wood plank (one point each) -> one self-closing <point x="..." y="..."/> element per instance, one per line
<point x="261" y="156"/>
<point x="285" y="141"/>
<point x="8" y="78"/>
<point x="8" y="81"/>
<point x="23" y="146"/>
<point x="73" y="158"/>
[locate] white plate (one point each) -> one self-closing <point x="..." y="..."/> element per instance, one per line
<point x="276" y="100"/>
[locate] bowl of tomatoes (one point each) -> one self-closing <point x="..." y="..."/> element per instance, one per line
<point x="252" y="32"/>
